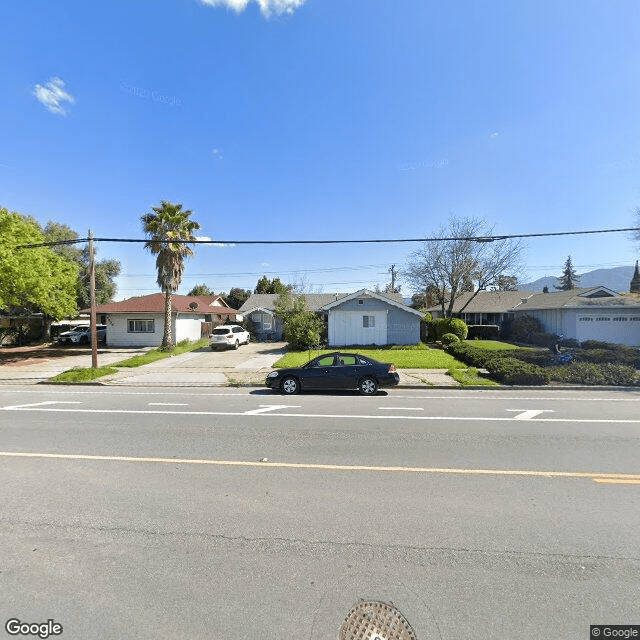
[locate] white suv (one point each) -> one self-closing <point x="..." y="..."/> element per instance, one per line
<point x="228" y="335"/>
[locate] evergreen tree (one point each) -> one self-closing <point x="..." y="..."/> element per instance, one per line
<point x="569" y="278"/>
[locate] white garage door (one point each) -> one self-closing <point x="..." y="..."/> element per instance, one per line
<point x="618" y="329"/>
<point x="357" y="327"/>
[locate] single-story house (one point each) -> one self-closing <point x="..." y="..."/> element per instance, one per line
<point x="487" y="307"/>
<point x="366" y="317"/>
<point x="139" y="321"/>
<point x="595" y="313"/>
<point x="260" y="308"/>
<point x="362" y="318"/>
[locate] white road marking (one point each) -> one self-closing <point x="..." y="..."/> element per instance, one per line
<point x="401" y="408"/>
<point x="115" y="391"/>
<point x="168" y="404"/>
<point x="332" y="416"/>
<point x="620" y="477"/>
<point x="269" y="407"/>
<point x="527" y="414"/>
<point x="39" y="404"/>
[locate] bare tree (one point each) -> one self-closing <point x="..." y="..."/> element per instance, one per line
<point x="463" y="257"/>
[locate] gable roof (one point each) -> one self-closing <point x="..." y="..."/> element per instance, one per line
<point x="267" y="301"/>
<point x="154" y="303"/>
<point x="592" y="297"/>
<point x="505" y="301"/>
<point x="393" y="301"/>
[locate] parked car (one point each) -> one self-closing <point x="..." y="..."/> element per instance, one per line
<point x="228" y="335"/>
<point x="82" y="334"/>
<point x="335" y="371"/>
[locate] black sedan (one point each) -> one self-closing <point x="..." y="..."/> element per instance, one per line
<point x="336" y="371"/>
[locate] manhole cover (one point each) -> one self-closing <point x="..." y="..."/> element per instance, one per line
<point x="375" y="621"/>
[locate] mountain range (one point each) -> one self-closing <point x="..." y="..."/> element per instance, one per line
<point x="616" y="278"/>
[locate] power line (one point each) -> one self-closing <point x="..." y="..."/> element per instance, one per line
<point x="387" y="240"/>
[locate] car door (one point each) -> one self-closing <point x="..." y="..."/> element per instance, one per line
<point x="344" y="373"/>
<point x="317" y="375"/>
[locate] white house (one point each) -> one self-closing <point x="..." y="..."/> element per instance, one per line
<point x="139" y="322"/>
<point x="366" y="317"/>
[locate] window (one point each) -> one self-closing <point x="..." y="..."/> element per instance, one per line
<point x="619" y="318"/>
<point x="360" y="301"/>
<point x="585" y="319"/>
<point x="368" y="321"/>
<point x="141" y="326"/>
<point x="348" y="360"/>
<point x="602" y="319"/>
<point x="325" y="362"/>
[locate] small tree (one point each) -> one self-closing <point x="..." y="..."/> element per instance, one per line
<point x="569" y="278"/>
<point x="302" y="328"/>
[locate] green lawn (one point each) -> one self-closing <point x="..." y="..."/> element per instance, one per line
<point x="410" y="358"/>
<point x="83" y="374"/>
<point x="492" y="345"/>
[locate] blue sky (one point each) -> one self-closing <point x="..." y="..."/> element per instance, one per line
<point x="324" y="119"/>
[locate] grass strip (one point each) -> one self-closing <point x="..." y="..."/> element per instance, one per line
<point x="83" y="374"/>
<point x="160" y="354"/>
<point x="471" y="377"/>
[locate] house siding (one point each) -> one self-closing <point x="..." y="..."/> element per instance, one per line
<point x="392" y="324"/>
<point x="185" y="327"/>
<point x="402" y="327"/>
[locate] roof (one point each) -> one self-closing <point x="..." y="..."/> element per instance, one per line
<point x="267" y="301"/>
<point x="601" y="297"/>
<point x="488" y="301"/>
<point x="315" y="301"/>
<point x="391" y="299"/>
<point x="504" y="301"/>
<point x="154" y="303"/>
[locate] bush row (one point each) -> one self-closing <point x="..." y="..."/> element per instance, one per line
<point x="520" y="366"/>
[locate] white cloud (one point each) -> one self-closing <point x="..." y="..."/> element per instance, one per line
<point x="495" y="134"/>
<point x="52" y="95"/>
<point x="267" y="7"/>
<point x="203" y="238"/>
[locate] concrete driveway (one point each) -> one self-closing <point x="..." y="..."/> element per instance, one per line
<point x="204" y="367"/>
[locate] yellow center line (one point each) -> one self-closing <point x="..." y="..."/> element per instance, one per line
<point x="594" y="475"/>
<point x="616" y="480"/>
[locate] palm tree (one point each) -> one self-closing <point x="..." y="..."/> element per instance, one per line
<point x="167" y="229"/>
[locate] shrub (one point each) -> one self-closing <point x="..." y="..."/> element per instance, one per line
<point x="596" y="344"/>
<point x="510" y="370"/>
<point x="450" y="325"/>
<point x="449" y="338"/>
<point x="595" y="374"/>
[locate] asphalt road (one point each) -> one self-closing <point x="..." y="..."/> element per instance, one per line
<point x="147" y="513"/>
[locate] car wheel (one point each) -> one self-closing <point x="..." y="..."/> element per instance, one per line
<point x="290" y="386"/>
<point x="368" y="386"/>
<point x="236" y="345"/>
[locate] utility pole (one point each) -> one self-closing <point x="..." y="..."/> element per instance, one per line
<point x="393" y="278"/>
<point x="92" y="290"/>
